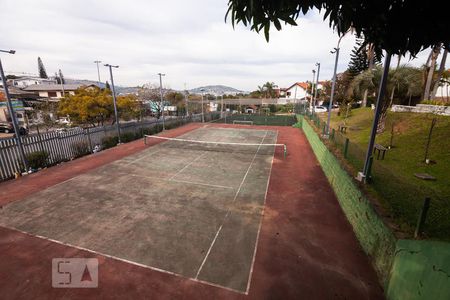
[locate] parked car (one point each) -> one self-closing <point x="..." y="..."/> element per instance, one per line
<point x="6" y="128"/>
<point x="320" y="109"/>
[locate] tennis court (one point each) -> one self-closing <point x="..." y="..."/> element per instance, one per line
<point x="188" y="208"/>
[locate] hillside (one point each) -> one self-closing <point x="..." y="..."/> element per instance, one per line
<point x="216" y="90"/>
<point x="399" y="191"/>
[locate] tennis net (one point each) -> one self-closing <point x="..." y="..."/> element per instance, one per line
<point x="250" y="148"/>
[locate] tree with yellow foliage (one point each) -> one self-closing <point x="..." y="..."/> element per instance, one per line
<point x="92" y="105"/>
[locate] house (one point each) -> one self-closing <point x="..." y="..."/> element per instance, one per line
<point x="53" y="91"/>
<point x="251" y="109"/>
<point x="296" y="91"/>
<point x="23" y="82"/>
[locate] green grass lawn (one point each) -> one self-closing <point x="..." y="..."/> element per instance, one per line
<point x="398" y="190"/>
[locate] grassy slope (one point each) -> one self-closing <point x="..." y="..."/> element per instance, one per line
<point x="405" y="159"/>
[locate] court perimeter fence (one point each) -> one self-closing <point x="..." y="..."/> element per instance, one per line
<point x="402" y="199"/>
<point x="67" y="145"/>
<point x="254" y="119"/>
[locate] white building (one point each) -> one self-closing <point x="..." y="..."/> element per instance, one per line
<point x="23" y="82"/>
<point x="53" y="91"/>
<point x="443" y="92"/>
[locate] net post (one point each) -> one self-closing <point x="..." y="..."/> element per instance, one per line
<point x="285" y="150"/>
<point x="145" y="139"/>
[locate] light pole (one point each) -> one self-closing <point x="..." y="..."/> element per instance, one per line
<point x="162" y="101"/>
<point x="203" y="116"/>
<point x="312" y="91"/>
<point x="98" y="70"/>
<point x="317" y="83"/>
<point x="114" y="100"/>
<point x="12" y="113"/>
<point x="363" y="176"/>
<point x="186" y="99"/>
<point x="221" y="107"/>
<point x="333" y="85"/>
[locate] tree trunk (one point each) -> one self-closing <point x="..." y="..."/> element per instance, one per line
<point x="398" y="60"/>
<point x="392" y="97"/>
<point x="434" y="55"/>
<point x="364" y="101"/>
<point x="439" y="75"/>
<point x="371" y="56"/>
<point x="381" y="126"/>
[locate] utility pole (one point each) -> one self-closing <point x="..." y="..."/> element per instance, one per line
<point x="98" y="71"/>
<point x="13" y="114"/>
<point x="162" y="100"/>
<point x="114" y="100"/>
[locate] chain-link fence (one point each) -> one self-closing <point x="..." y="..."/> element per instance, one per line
<point x="401" y="198"/>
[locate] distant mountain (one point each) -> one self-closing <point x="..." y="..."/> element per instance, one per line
<point x="216" y="90"/>
<point x="119" y="89"/>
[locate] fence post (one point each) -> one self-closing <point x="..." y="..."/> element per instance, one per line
<point x="41" y="146"/>
<point x="89" y="139"/>
<point x="422" y="217"/>
<point x="369" y="170"/>
<point x="346" y="147"/>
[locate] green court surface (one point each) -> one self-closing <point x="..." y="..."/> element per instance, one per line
<point x="253" y="119"/>
<point x="185" y="208"/>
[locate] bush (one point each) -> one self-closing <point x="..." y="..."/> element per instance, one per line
<point x="80" y="149"/>
<point x="128" y="137"/>
<point x="436" y="102"/>
<point x="109" y="142"/>
<point x="38" y="159"/>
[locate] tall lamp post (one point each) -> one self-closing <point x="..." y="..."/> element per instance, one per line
<point x="186" y="99"/>
<point x="12" y="113"/>
<point x="312" y="91"/>
<point x="162" y="100"/>
<point x="333" y="85"/>
<point x="98" y="70"/>
<point x="203" y="115"/>
<point x="114" y="100"/>
<point x="317" y="83"/>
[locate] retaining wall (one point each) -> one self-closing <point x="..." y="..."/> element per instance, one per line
<point x="409" y="269"/>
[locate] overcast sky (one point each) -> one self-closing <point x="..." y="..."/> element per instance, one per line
<point x="187" y="40"/>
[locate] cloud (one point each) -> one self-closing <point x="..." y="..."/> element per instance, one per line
<point x="187" y="40"/>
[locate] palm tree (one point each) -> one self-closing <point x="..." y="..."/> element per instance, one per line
<point x="404" y="82"/>
<point x="270" y="89"/>
<point x="430" y="68"/>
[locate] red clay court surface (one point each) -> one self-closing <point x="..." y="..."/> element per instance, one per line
<point x="305" y="248"/>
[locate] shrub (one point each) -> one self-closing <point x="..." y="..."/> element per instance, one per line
<point x="37" y="159"/>
<point x="128" y="137"/>
<point x="80" y="149"/>
<point x="109" y="142"/>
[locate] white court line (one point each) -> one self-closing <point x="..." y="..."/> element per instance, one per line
<point x="249" y="280"/>
<point x="229" y="209"/>
<point x="123" y="260"/>
<point x="144" y="156"/>
<point x="176" y="180"/>
<point x="201" y="183"/>
<point x="187" y="166"/>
